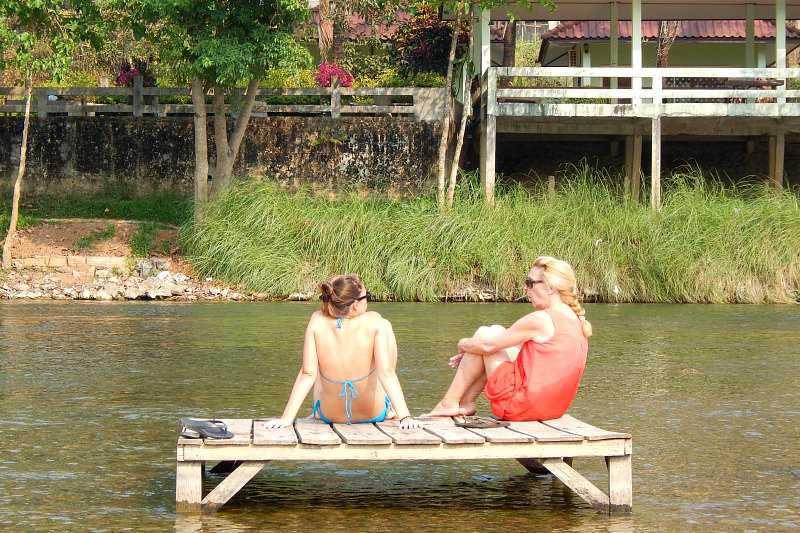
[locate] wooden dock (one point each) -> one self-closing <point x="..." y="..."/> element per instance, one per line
<point x="551" y="444"/>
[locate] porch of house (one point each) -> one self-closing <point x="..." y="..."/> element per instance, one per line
<point x="638" y="102"/>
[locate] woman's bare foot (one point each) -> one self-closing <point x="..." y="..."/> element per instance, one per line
<point x="446" y="408"/>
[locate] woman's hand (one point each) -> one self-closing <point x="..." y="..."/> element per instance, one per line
<point x="276" y="423"/>
<point x="409" y="422"/>
<point x="455" y="360"/>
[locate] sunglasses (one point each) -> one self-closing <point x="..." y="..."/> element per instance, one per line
<point x="530" y="282"/>
<point x="367" y="296"/>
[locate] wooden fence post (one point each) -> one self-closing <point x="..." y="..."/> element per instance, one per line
<point x="336" y="98"/>
<point x="41" y="102"/>
<point x="138" y="84"/>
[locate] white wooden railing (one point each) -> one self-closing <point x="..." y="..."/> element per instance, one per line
<point x="420" y="103"/>
<point x="660" y="94"/>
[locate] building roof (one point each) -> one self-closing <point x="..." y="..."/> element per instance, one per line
<point x="732" y="30"/>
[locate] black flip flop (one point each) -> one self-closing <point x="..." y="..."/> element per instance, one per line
<point x="479" y="422"/>
<point x="195" y="428"/>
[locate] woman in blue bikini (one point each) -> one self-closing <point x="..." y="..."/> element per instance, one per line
<point x="353" y="352"/>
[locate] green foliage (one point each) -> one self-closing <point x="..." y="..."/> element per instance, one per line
<point x="526" y="54"/>
<point x="423" y="43"/>
<point x="708" y="244"/>
<point x="142" y="241"/>
<point x="223" y="43"/>
<point x="85" y="242"/>
<point x="38" y="37"/>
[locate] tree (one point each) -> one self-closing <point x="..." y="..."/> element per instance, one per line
<point x="37" y="40"/>
<point x="667" y="31"/>
<point x="223" y="46"/>
<point x="460" y="8"/>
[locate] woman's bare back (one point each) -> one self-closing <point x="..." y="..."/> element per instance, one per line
<point x="346" y="353"/>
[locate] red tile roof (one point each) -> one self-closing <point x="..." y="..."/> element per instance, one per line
<point x="687" y="29"/>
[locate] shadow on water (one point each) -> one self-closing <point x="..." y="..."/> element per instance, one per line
<point x="91" y="394"/>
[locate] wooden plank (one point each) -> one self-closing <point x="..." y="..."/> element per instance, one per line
<point x="543" y="433"/>
<point x="630" y="72"/>
<point x="445" y="429"/>
<point x="501" y="435"/>
<point x="362" y="434"/>
<point x="459" y="451"/>
<point x="570" y="424"/>
<point x="232" y="484"/>
<point x="242" y="429"/>
<point x="316" y="432"/>
<point x="407" y="436"/>
<point x="579" y="484"/>
<point x="620" y="483"/>
<point x="189" y="483"/>
<point x="285" y="436"/>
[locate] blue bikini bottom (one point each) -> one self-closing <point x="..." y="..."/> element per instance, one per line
<point x="317" y="412"/>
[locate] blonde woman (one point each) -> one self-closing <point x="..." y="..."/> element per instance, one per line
<point x="353" y="352"/>
<point x="531" y="370"/>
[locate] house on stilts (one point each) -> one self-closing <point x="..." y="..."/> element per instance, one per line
<point x="629" y="98"/>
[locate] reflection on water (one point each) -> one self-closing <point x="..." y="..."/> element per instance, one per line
<point x="91" y="394"/>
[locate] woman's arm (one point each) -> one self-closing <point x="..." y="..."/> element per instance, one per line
<point x="385" y="347"/>
<point x="303" y="384"/>
<point x="521" y="331"/>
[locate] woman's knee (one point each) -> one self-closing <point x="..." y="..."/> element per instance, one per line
<point x="485" y="332"/>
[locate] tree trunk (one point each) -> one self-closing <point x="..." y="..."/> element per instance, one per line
<point x="228" y="151"/>
<point x="23" y="156"/>
<point x="466" y="112"/>
<point x="509" y="50"/>
<point x="324" y="30"/>
<point x="667" y="31"/>
<point x="220" y="141"/>
<point x="200" y="145"/>
<point x="446" y="119"/>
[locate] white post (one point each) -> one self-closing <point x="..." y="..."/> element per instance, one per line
<point x="488" y="129"/>
<point x="780" y="44"/>
<point x="750" y="32"/>
<point x="586" y="62"/>
<point x="482" y="53"/>
<point x="614" y="43"/>
<point x="655" y="159"/>
<point x="636" y="48"/>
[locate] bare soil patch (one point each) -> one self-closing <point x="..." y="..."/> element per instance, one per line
<point x="60" y="238"/>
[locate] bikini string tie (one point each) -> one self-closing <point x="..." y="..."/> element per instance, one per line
<point x="348" y="392"/>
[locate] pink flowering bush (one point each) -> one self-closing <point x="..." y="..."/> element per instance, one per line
<point x="125" y="77"/>
<point x="327" y="71"/>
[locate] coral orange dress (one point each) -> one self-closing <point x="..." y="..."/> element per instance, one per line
<point x="543" y="381"/>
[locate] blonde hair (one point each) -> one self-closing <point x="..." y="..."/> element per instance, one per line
<point x="339" y="293"/>
<point x="559" y="275"/>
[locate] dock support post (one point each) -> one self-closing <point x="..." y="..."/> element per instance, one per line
<point x="777" y="147"/>
<point x="620" y="483"/>
<point x="655" y="164"/>
<point x="189" y="485"/>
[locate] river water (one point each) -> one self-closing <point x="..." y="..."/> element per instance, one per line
<point x="91" y="393"/>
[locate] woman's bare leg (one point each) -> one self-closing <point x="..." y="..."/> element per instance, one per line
<point x="470" y="379"/>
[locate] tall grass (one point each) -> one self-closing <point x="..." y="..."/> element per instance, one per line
<point x="708" y="244"/>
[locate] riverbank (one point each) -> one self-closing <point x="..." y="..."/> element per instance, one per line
<point x="709" y="244"/>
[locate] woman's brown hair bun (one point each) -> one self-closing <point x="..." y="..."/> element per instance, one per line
<point x="339" y="293"/>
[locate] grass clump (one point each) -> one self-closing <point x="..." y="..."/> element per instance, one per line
<point x="142" y="241"/>
<point x="86" y="242"/>
<point x="165" y="207"/>
<point x="707" y="244"/>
